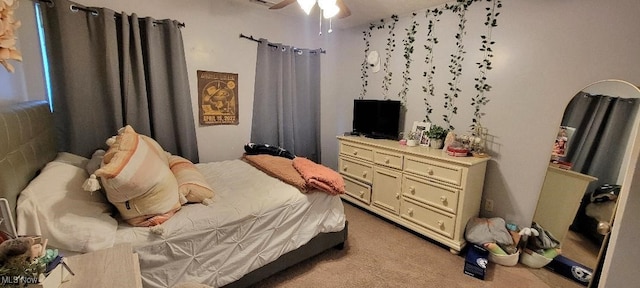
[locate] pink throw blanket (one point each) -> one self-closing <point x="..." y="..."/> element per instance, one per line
<point x="278" y="167"/>
<point x="319" y="176"/>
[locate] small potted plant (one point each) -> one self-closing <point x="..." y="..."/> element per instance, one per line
<point x="436" y="135"/>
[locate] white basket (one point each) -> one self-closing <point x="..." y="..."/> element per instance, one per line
<point x="505" y="260"/>
<point x="533" y="259"/>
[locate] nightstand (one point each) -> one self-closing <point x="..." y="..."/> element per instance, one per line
<point x="113" y="267"/>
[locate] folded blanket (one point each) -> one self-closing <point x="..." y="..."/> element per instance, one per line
<point x="278" y="167"/>
<point x="319" y="176"/>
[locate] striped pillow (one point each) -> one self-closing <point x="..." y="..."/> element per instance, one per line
<point x="137" y="181"/>
<point x="192" y="184"/>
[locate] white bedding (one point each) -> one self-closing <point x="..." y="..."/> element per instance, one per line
<point x="254" y="220"/>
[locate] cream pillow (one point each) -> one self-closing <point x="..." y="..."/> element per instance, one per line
<point x="55" y="206"/>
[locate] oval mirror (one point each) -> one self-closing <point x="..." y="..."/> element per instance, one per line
<point x="589" y="159"/>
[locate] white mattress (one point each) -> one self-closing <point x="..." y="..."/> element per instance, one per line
<point x="254" y="220"/>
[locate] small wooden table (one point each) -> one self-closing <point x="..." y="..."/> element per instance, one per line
<point x="113" y="267"/>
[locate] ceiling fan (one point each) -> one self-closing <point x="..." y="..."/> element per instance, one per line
<point x="344" y="10"/>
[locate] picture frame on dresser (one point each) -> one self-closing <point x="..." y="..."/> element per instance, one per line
<point x="420" y="128"/>
<point x="424" y="139"/>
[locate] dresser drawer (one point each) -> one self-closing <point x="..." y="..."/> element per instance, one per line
<point x="388" y="159"/>
<point x="430" y="193"/>
<point x="356" y="169"/>
<point x="357" y="190"/>
<point x="433" y="169"/>
<point x="427" y="218"/>
<point x="360" y="152"/>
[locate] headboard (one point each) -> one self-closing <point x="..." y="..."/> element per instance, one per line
<point x="27" y="143"/>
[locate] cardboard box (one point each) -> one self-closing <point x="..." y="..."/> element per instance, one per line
<point x="571" y="269"/>
<point x="475" y="262"/>
<point x="54" y="279"/>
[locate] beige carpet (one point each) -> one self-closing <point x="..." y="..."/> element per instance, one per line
<point x="381" y="254"/>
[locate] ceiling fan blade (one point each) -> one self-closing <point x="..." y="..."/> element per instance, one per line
<point x="282" y="4"/>
<point x="344" y="10"/>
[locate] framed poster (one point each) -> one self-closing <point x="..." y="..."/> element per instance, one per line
<point x="217" y="98"/>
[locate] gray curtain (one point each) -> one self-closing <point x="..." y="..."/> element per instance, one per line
<point x="286" y="105"/>
<point x="603" y="125"/>
<point x="109" y="70"/>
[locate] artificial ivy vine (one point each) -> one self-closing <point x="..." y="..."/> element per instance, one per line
<point x="364" y="66"/>
<point x="479" y="100"/>
<point x="391" y="45"/>
<point x="455" y="66"/>
<point x="432" y="17"/>
<point x="408" y="50"/>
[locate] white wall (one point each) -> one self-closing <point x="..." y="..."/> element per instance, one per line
<point x="545" y="52"/>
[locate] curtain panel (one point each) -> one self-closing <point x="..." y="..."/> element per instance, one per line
<point x="109" y="70"/>
<point x="602" y="127"/>
<point x="286" y="105"/>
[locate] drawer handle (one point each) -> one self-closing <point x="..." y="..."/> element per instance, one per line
<point x="361" y="194"/>
<point x="386" y="160"/>
<point x="440" y="223"/>
<point x="410" y="211"/>
<point x="430" y="171"/>
<point x="397" y="195"/>
<point x="443" y="199"/>
<point x="412" y="190"/>
<point x="355" y="152"/>
<point x="344" y="168"/>
<point x="364" y="174"/>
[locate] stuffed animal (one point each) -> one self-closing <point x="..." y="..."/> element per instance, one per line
<point x="20" y="249"/>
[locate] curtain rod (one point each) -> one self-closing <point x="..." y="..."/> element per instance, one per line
<point x="250" y="37"/>
<point x="75" y="8"/>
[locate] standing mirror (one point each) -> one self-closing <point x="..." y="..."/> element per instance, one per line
<point x="589" y="159"/>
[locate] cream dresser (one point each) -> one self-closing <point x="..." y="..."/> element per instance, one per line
<point x="420" y="188"/>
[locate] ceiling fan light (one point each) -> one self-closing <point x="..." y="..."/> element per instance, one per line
<point x="325" y="4"/>
<point x="330" y="11"/>
<point x="307" y="5"/>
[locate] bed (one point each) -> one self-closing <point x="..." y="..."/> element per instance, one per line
<point x="256" y="227"/>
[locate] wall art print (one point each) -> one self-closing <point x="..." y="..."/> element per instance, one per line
<point x="217" y="98"/>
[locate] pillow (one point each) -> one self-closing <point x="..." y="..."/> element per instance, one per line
<point x="73" y="159"/>
<point x="192" y="185"/>
<point x="156" y="148"/>
<point x="94" y="163"/>
<point x="54" y="206"/>
<point x="137" y="181"/>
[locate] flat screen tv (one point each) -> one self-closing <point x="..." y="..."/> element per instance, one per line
<point x="376" y="118"/>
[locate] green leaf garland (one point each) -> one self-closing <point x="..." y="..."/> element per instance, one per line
<point x="364" y="67"/>
<point x="391" y="45"/>
<point x="433" y="16"/>
<point x="481" y="86"/>
<point x="455" y="66"/>
<point x="408" y="50"/>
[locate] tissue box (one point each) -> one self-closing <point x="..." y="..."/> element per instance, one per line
<point x="571" y="269"/>
<point x="475" y="262"/>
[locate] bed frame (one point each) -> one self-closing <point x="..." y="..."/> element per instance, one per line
<point x="28" y="143"/>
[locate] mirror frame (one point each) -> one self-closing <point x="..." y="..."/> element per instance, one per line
<point x="621" y="89"/>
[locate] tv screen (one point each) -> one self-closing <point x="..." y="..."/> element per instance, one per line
<point x="376" y="118"/>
